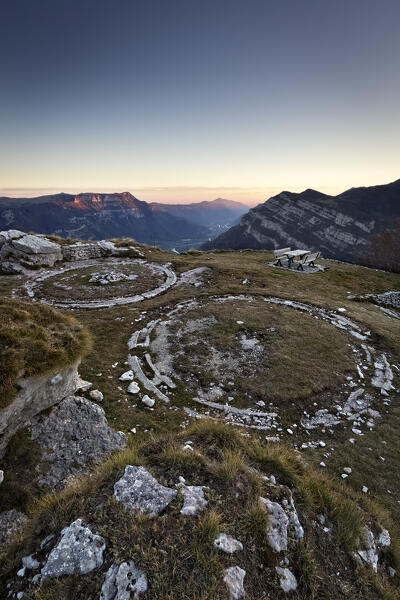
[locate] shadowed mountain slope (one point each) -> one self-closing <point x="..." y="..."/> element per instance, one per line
<point x="338" y="226"/>
<point x="98" y="216"/>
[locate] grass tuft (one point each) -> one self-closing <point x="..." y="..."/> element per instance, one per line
<point x="36" y="339"/>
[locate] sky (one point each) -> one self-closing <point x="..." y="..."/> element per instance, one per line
<point x="187" y="100"/>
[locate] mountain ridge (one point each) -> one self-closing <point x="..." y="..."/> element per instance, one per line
<point x="340" y="226"/>
<point x="92" y="215"/>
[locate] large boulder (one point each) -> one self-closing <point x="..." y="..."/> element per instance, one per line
<point x="73" y="436"/>
<point x="28" y="249"/>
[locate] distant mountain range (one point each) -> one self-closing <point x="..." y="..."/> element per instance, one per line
<point x="98" y="216"/>
<point x="338" y="226"/>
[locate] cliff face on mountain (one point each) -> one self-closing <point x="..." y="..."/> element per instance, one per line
<point x="99" y="216"/>
<point x="338" y="226"/>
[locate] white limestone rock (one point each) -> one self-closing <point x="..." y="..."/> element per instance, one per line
<point x="78" y="551"/>
<point x="227" y="543"/>
<point x="147" y="401"/>
<point x="383" y="375"/>
<point x="133" y="388"/>
<point x="11" y="234"/>
<point x="277" y="524"/>
<point x="139" y="490"/>
<point x="193" y="499"/>
<point x="293" y="517"/>
<point x="34" y="244"/>
<point x="384" y="538"/>
<point x="368" y="553"/>
<point x="234" y="577"/>
<point x="123" y="582"/>
<point x="29" y="562"/>
<point x="287" y="580"/>
<point x="127" y="376"/>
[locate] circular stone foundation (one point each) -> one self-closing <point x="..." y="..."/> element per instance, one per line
<point x="258" y="362"/>
<point x="100" y="283"/>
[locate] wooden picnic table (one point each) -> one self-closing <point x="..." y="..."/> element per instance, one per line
<point x="294" y="254"/>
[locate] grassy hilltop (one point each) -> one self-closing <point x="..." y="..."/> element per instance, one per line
<point x="296" y="363"/>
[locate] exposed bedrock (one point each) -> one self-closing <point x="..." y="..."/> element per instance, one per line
<point x="35" y="395"/>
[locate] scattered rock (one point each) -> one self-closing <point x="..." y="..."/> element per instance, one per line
<point x="287" y="580"/>
<point x="193" y="499"/>
<point x="133" y="388"/>
<point x="78" y="551"/>
<point x="96" y="395"/>
<point x="28" y="562"/>
<point x="127" y="376"/>
<point x="227" y="543"/>
<point x="234" y="577"/>
<point x="147" y="401"/>
<point x="384" y="538"/>
<point x="110" y="277"/>
<point x="122" y="581"/>
<point x="138" y="490"/>
<point x="383" y="375"/>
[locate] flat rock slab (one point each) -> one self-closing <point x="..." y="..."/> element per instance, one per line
<point x="139" y="490"/>
<point x="123" y="582"/>
<point x="73" y="436"/>
<point x="78" y="551"/>
<point x="11" y="522"/>
<point x="234" y="577"/>
<point x="33" y="244"/>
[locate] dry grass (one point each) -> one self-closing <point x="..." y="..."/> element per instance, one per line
<point x="176" y="552"/>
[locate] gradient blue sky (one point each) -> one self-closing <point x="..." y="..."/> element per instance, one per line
<point x="188" y="99"/>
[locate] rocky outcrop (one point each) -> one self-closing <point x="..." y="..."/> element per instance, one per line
<point x="338" y="226"/>
<point x="19" y="250"/>
<point x="73" y="436"/>
<point x="27" y="250"/>
<point x="35" y="395"/>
